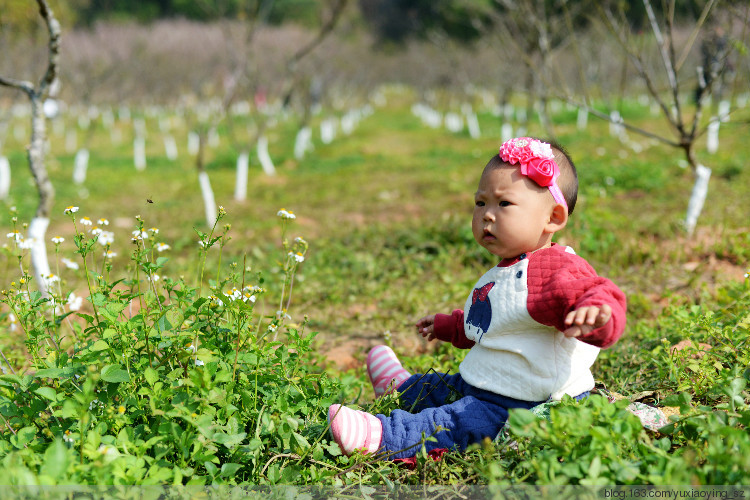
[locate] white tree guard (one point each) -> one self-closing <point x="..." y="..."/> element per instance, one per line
<point x="328" y="130"/>
<point x="712" y="135"/>
<point x="303" y="142"/>
<point x="697" y="197"/>
<point x="80" y="165"/>
<point x="4" y="178"/>
<point x="208" y="198"/>
<point x="193" y="143"/>
<point x="453" y="122"/>
<point x="139" y="153"/>
<point x="582" y="120"/>
<point x="724" y="108"/>
<point x="170" y="147"/>
<point x="263" y="156"/>
<point x="472" y="123"/>
<point x="240" y="187"/>
<point x="506" y="132"/>
<point x="39" y="261"/>
<point x="348" y="122"/>
<point x="616" y="129"/>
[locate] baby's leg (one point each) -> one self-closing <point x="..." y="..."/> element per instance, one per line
<point x="385" y="370"/>
<point x="466" y="421"/>
<point x="428" y="390"/>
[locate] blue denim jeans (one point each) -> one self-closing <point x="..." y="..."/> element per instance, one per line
<point x="465" y="414"/>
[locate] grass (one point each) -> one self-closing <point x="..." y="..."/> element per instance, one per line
<point x="386" y="211"/>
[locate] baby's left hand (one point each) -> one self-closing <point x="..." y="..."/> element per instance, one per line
<point x="582" y="321"/>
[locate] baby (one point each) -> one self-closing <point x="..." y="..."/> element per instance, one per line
<point x="534" y="323"/>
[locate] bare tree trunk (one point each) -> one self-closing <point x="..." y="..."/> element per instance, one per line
<point x="37" y="95"/>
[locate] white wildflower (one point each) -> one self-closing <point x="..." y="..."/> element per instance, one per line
<point x="69" y="263"/>
<point x="85" y="221"/>
<point x="297" y="256"/>
<point x="15" y="235"/>
<point x="71" y="210"/>
<point x="286" y="214"/>
<point x="106" y="238"/>
<point x="57" y="240"/>
<point x="26" y="244"/>
<point x="51" y="278"/>
<point x="160" y="247"/>
<point x="103" y="222"/>
<point x="74" y="302"/>
<point x="109" y="254"/>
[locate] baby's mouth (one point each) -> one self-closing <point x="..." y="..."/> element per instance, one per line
<point x="488" y="235"/>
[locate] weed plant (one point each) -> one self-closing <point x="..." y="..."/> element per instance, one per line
<point x="190" y="363"/>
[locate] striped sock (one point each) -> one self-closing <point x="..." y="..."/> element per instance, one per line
<point x="355" y="430"/>
<point x="385" y="370"/>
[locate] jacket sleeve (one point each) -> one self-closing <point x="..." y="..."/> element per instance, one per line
<point x="450" y="328"/>
<point x="561" y="284"/>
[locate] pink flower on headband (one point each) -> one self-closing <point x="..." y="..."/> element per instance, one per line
<point x="536" y="160"/>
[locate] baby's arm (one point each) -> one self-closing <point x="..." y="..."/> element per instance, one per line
<point x="585" y="319"/>
<point x="426" y="327"/>
<point x="445" y="327"/>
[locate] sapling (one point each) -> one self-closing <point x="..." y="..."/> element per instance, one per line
<point x="36" y="151"/>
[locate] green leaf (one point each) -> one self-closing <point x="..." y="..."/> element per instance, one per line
<point x="230" y="469"/>
<point x="303" y="443"/>
<point x="151" y="375"/>
<point x="333" y="449"/>
<point x="229" y="440"/>
<point x="51" y="373"/>
<point x="23" y="436"/>
<point x="99" y="345"/>
<point x="56" y="460"/>
<point x="114" y="374"/>
<point x="47" y="392"/>
<point x="175" y="317"/>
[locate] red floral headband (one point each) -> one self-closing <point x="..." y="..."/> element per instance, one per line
<point x="537" y="163"/>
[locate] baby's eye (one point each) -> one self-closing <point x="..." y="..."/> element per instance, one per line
<point x="504" y="203"/>
<point x="479" y="203"/>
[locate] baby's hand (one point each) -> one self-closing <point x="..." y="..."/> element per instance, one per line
<point x="426" y="327"/>
<point x="582" y="321"/>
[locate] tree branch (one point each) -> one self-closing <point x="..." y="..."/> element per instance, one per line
<point x="24" y="86"/>
<point x="53" y="27"/>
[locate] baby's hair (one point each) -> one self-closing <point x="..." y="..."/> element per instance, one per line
<point x="568" y="180"/>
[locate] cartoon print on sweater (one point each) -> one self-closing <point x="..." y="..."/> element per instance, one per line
<point x="480" y="312"/>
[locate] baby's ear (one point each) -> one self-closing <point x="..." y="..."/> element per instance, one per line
<point x="558" y="218"/>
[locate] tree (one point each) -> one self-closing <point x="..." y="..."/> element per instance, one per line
<point x="37" y="95"/>
<point x="683" y="117"/>
<point x="399" y="20"/>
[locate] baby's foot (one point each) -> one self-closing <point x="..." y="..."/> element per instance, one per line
<point x="354" y="429"/>
<point x="385" y="370"/>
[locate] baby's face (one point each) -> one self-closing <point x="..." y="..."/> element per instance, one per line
<point x="511" y="213"/>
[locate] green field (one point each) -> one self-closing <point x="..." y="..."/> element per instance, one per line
<point x="386" y="211"/>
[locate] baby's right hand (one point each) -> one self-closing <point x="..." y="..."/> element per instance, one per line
<point x="426" y="327"/>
